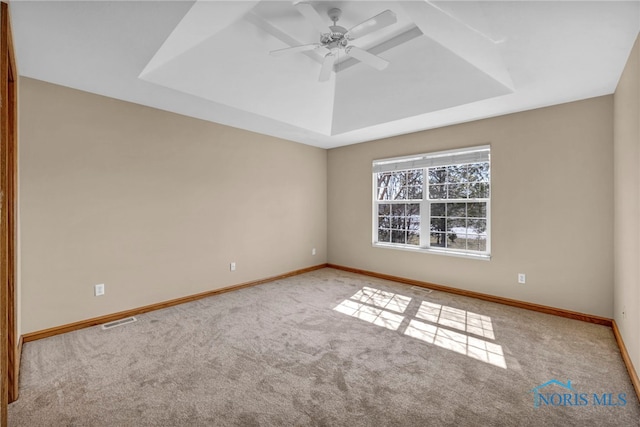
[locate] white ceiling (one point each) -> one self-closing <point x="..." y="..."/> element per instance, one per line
<point x="450" y="61"/>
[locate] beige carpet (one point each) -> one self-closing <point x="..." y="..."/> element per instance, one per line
<point x="329" y="348"/>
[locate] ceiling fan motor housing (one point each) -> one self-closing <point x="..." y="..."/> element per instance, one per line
<point x="335" y="39"/>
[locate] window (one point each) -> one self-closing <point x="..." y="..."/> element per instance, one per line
<point x="436" y="202"/>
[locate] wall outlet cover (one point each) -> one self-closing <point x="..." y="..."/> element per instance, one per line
<point x="98" y="290"/>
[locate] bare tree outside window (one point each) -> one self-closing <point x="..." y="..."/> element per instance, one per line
<point x="452" y="200"/>
<point x="399" y="220"/>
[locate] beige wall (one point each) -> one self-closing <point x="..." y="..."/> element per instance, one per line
<point x="153" y="204"/>
<point x="552" y="207"/>
<point x="627" y="204"/>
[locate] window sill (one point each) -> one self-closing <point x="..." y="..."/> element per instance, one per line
<point x="480" y="257"/>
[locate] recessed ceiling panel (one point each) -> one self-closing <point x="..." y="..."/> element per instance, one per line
<point x="233" y="67"/>
<point x="422" y="77"/>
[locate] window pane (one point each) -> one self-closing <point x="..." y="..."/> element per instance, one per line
<point x="384" y="222"/>
<point x="456" y="210"/>
<point x="413" y="216"/>
<point x="475" y="244"/>
<point x="398" y="209"/>
<point x="478" y="172"/>
<point x="456" y="173"/>
<point x="477" y="210"/>
<point x="437" y="209"/>
<point x="388" y="186"/>
<point x="437" y="175"/>
<point x="414" y="192"/>
<point x="414" y="177"/>
<point x="401" y="194"/>
<point x="456" y="233"/>
<point x="456" y="226"/>
<point x="438" y="240"/>
<point x="457" y="241"/>
<point x="479" y="190"/>
<point x="413" y="239"/>
<point x="382" y="186"/>
<point x="457" y="191"/>
<point x="395" y="187"/>
<point x="412" y="209"/>
<point x="384" y="209"/>
<point x="437" y="191"/>
<point x="383" y="194"/>
<point x="438" y="224"/>
<point x="397" y="223"/>
<point x="478" y="227"/>
<point x="398" y="236"/>
<point x="383" y="235"/>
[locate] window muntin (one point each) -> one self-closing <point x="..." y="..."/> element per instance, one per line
<point x="441" y="206"/>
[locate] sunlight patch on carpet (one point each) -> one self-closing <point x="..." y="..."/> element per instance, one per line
<point x="436" y="324"/>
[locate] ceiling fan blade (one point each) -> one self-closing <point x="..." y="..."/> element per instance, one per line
<point x="327" y="67"/>
<point x="379" y="21"/>
<point x="295" y="49"/>
<point x="312" y="16"/>
<point x="368" y="58"/>
<point x="323" y="50"/>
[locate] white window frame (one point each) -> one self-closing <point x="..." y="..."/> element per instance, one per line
<point x="462" y="156"/>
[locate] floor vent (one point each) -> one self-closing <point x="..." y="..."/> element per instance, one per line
<point x="421" y="289"/>
<point x="120" y="322"/>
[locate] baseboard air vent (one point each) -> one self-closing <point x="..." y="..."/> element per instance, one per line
<point x="120" y="322"/>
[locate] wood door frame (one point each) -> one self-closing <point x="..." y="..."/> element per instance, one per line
<point x="9" y="363"/>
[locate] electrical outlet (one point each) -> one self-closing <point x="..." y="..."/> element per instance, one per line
<point x="232" y="266"/>
<point x="313" y="251"/>
<point x="98" y="290"/>
<point x="522" y="278"/>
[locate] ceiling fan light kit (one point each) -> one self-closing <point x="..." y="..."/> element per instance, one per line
<point x="337" y="39"/>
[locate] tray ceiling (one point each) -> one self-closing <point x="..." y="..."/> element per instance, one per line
<point x="450" y="62"/>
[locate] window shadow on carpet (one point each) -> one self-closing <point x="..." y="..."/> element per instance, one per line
<point x="447" y="327"/>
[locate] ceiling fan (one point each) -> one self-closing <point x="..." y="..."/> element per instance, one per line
<point x="335" y="38"/>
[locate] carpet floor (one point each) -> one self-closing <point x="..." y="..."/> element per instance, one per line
<point x="329" y="348"/>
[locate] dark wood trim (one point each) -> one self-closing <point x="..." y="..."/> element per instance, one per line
<point x="12" y="218"/>
<point x="500" y="300"/>
<point x="8" y="217"/>
<point x="633" y="374"/>
<point x="45" y="333"/>
<point x="4" y="256"/>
